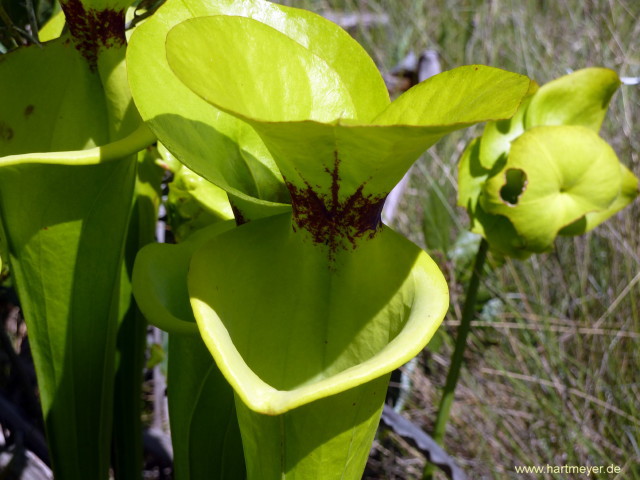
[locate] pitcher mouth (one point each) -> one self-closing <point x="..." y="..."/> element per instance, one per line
<point x="305" y="331"/>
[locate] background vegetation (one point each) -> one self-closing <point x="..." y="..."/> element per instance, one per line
<point x="552" y="370"/>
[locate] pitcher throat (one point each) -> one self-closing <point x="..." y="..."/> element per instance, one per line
<point x="335" y="222"/>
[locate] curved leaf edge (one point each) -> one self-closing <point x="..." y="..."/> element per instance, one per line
<point x="150" y="284"/>
<point x="138" y="140"/>
<point x="424" y="320"/>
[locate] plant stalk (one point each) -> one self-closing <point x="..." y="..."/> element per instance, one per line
<point x="468" y="310"/>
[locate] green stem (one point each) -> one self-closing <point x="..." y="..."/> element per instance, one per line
<point x="453" y="375"/>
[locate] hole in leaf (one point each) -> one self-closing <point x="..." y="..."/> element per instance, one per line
<point x="503" y="126"/>
<point x="514" y="187"/>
